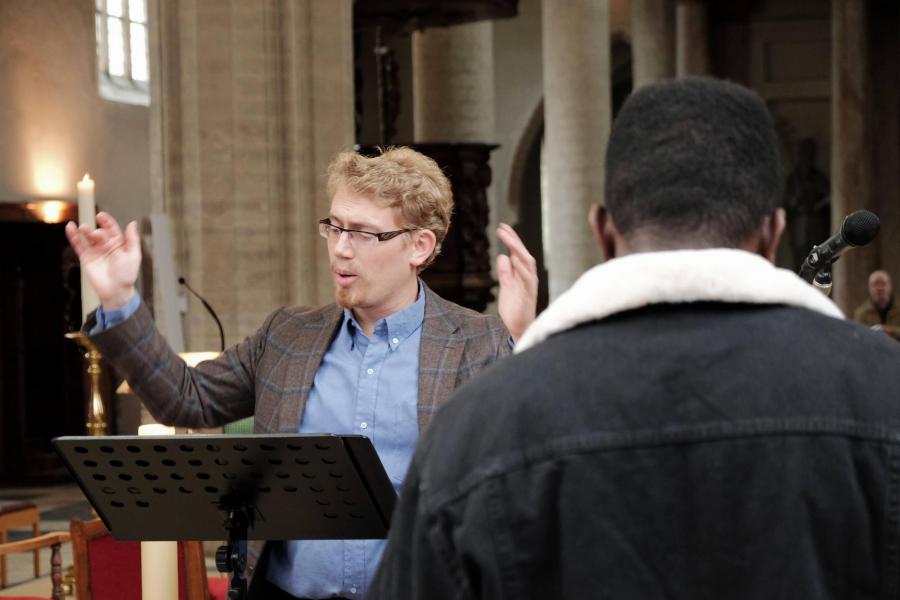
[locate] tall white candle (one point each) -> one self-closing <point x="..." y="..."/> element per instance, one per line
<point x="159" y="560"/>
<point x="86" y="216"/>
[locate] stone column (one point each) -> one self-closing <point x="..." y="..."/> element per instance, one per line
<point x="453" y="123"/>
<point x="652" y="40"/>
<point x="453" y="83"/>
<point x="251" y="100"/>
<point x="851" y="171"/>
<point x="576" y="127"/>
<point x="692" y="38"/>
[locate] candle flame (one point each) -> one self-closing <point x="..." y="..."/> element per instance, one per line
<point x="87" y="178"/>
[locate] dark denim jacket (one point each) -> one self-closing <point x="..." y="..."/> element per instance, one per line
<point x="700" y="451"/>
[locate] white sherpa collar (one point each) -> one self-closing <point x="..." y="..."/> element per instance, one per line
<point x="676" y="276"/>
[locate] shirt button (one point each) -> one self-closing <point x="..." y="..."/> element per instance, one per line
<point x="395" y="341"/>
<point x="353" y="590"/>
<point x="363" y="425"/>
<point x="370" y="371"/>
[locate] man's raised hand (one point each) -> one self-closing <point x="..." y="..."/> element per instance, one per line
<point x="518" y="277"/>
<point x="109" y="259"/>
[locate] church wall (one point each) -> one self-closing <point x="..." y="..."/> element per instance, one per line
<point x="782" y="50"/>
<point x="885" y="57"/>
<point x="256" y="99"/>
<point x="365" y="50"/>
<point x="54" y="127"/>
<point x="518" y="93"/>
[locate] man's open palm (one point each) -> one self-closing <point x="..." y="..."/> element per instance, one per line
<point x="517" y="273"/>
<point x="109" y="259"/>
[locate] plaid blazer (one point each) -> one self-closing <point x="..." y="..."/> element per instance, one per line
<point x="270" y="373"/>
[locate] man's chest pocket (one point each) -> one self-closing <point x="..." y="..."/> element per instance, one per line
<point x="405" y="422"/>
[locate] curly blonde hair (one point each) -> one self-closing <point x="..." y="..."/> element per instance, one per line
<point x="403" y="178"/>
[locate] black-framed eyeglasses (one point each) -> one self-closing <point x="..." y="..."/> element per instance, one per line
<point x="332" y="232"/>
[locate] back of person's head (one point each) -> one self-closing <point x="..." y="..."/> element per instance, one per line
<point x="692" y="163"/>
<point x="400" y="178"/>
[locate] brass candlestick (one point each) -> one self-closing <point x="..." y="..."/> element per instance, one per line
<point x="96" y="418"/>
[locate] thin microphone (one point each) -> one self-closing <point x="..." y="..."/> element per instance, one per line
<point x="209" y="309"/>
<point x="858" y="229"/>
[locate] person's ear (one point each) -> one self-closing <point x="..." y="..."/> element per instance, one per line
<point x="423" y="243"/>
<point x="604" y="230"/>
<point x="770" y="234"/>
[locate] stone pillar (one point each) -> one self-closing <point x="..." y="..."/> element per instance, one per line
<point x="692" y="38"/>
<point x="652" y="40"/>
<point x="453" y="123"/>
<point x="576" y="128"/>
<point x="251" y="100"/>
<point x="453" y="83"/>
<point x="851" y="171"/>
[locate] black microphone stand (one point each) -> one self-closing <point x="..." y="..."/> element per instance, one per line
<point x="209" y="309"/>
<point x="822" y="280"/>
<point x="814" y="272"/>
<point x="811" y="266"/>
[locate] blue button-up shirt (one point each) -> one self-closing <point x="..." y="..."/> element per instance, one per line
<point x="109" y="318"/>
<point x="367" y="386"/>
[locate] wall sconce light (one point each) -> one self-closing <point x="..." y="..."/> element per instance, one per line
<point x="52" y="211"/>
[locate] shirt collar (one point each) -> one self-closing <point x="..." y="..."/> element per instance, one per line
<point x="396" y="327"/>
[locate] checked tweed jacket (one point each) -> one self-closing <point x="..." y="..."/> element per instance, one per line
<point x="270" y="373"/>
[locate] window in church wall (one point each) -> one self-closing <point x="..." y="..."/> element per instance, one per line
<point x="122" y="53"/>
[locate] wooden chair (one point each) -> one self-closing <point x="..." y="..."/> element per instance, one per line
<point x="106" y="568"/>
<point x="54" y="541"/>
<point x="13" y="514"/>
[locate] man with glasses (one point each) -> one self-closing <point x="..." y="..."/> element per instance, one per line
<point x="378" y="362"/>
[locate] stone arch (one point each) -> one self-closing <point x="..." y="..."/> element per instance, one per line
<point x="524" y="193"/>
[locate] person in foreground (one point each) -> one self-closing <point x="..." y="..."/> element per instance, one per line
<point x="376" y="363"/>
<point x="687" y="421"/>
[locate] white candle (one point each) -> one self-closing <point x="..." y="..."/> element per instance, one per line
<point x="86" y="216"/>
<point x="159" y="560"/>
<point x="155" y="429"/>
<point x="86" y="202"/>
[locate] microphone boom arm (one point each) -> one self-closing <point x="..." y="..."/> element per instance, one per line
<point x="209" y="309"/>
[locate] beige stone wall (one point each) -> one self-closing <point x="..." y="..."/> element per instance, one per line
<point x="255" y="99"/>
<point x="54" y="126"/>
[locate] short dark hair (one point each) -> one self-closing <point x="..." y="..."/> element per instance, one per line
<point x="695" y="158"/>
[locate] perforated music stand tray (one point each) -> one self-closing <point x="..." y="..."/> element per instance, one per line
<point x="209" y="487"/>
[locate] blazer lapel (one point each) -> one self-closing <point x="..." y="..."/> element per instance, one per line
<point x="299" y="370"/>
<point x="440" y="353"/>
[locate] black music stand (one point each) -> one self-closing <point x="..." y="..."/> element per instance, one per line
<point x="251" y="487"/>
